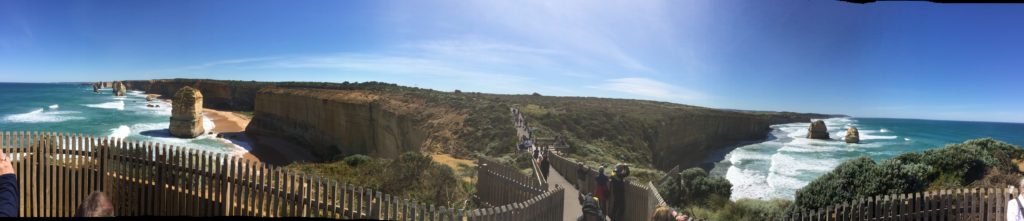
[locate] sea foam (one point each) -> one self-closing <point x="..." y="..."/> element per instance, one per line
<point x="117" y="105"/>
<point x="42" y="116"/>
<point x="121" y="131"/>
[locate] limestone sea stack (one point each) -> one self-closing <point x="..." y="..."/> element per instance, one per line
<point x="186" y="113"/>
<point x="852" y="136"/>
<point x="817" y="130"/>
<point x="96" y="87"/>
<point x="119" y="89"/>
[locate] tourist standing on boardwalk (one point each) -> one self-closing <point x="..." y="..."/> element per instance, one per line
<point x="8" y="188"/>
<point x="1015" y="208"/>
<point x="619" y="192"/>
<point x="581" y="176"/>
<point x="544" y="165"/>
<point x="601" y="188"/>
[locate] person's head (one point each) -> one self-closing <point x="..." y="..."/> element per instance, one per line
<point x="600" y="170"/>
<point x="97" y="204"/>
<point x="1020" y="186"/>
<point x="662" y="213"/>
<point x="621" y="170"/>
<point x="591" y="208"/>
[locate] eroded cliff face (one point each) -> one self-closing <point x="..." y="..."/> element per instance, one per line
<point x="222" y="95"/>
<point x="687" y="140"/>
<point x="335" y="123"/>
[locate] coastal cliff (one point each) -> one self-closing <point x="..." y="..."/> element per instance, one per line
<point x="332" y="123"/>
<point x="380" y="119"/>
<point x="649" y="134"/>
<point x="222" y="95"/>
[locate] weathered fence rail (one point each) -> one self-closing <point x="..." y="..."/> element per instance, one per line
<point x="641" y="199"/>
<point x="56" y="171"/>
<point x="951" y="204"/>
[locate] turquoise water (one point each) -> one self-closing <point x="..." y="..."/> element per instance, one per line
<point x="75" y="108"/>
<point x="787" y="161"/>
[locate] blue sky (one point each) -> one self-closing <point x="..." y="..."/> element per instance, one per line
<point x="888" y="59"/>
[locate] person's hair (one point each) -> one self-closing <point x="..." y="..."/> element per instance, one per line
<point x="662" y="213"/>
<point x="97" y="204"/>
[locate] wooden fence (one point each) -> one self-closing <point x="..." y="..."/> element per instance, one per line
<point x="500" y="185"/>
<point x="641" y="199"/>
<point x="951" y="204"/>
<point x="56" y="171"/>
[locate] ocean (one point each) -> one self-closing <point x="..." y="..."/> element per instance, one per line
<point x="76" y="109"/>
<point x="787" y="161"/>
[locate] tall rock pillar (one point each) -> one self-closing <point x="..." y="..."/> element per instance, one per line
<point x="119" y="88"/>
<point x="186" y="113"/>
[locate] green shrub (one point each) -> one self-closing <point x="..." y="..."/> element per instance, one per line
<point x="955" y="165"/>
<point x="742" y="210"/>
<point x="356" y="160"/>
<point x="412" y="175"/>
<point x="694" y="187"/>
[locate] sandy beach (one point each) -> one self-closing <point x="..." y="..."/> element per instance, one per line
<point x="231" y="126"/>
<point x="226" y="121"/>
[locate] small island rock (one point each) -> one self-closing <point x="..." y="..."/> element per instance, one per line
<point x="852" y="136"/>
<point x="817" y="130"/>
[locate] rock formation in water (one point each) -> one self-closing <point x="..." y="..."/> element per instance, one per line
<point x="152" y="97"/>
<point x="119" y="88"/>
<point x="852" y="136"/>
<point x="96" y="87"/>
<point x="186" y="113"/>
<point x="817" y="130"/>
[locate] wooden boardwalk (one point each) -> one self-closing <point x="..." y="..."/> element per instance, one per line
<point x="571" y="203"/>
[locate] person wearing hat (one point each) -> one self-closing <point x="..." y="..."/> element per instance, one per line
<point x="618" y="189"/>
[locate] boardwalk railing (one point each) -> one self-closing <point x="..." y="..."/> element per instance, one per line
<point x="56" y="171"/>
<point x="500" y="185"/>
<point x="641" y="199"/>
<point x="522" y="131"/>
<point x="513" y="195"/>
<point x="951" y="204"/>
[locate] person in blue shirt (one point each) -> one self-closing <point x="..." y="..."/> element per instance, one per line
<point x="8" y="188"/>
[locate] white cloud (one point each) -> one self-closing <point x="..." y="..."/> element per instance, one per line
<point x="649" y="88"/>
<point x="616" y="34"/>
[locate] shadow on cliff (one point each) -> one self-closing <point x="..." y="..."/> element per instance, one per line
<point x="268" y="149"/>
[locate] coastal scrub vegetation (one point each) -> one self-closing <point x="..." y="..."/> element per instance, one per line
<point x="974" y="163"/>
<point x="981" y="162"/>
<point x="707" y="197"/>
<point x="412" y="175"/>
